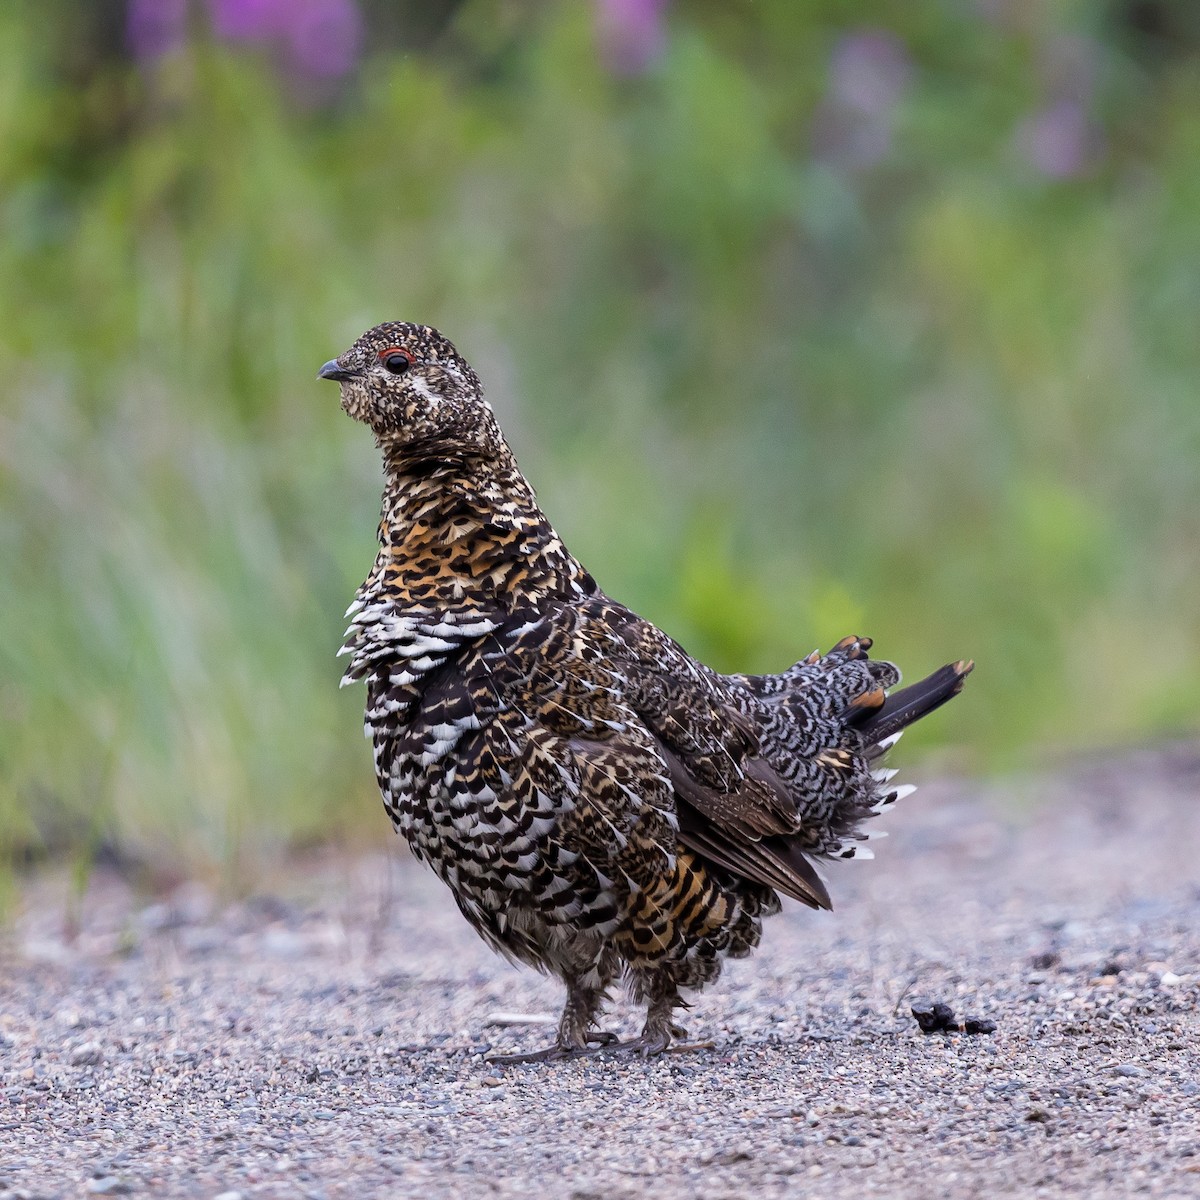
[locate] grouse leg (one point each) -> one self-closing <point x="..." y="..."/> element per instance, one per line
<point x="576" y="1037"/>
<point x="662" y="994"/>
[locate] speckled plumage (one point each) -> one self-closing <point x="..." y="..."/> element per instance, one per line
<point x="599" y="803"/>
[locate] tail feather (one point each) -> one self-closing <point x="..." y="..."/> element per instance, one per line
<point x="917" y="700"/>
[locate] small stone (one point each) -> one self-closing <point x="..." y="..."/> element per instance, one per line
<point x="108" y="1185"/>
<point x="228" y="1196"/>
<point x="284" y="943"/>
<point x="1130" y="1071"/>
<point x="89" y="1054"/>
<point x="729" y="1157"/>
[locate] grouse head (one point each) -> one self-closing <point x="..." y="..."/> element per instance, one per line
<point x="418" y="394"/>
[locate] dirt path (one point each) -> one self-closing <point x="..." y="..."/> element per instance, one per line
<point x="326" y="1040"/>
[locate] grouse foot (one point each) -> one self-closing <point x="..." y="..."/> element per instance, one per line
<point x="597" y="1039"/>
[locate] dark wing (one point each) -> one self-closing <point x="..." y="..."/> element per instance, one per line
<point x="733" y="806"/>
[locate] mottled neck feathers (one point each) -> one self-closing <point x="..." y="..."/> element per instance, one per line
<point x="468" y="536"/>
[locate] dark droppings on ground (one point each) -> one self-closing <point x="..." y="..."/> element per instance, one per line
<point x="935" y="1016"/>
<point x="328" y="1039"/>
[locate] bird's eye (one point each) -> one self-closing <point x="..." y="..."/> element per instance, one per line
<point x="395" y="360"/>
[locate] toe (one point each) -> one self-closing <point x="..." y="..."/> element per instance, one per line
<point x="549" y="1054"/>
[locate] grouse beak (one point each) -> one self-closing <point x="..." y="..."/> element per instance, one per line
<point x="334" y="370"/>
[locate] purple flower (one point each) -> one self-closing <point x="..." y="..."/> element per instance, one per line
<point x="322" y="38"/>
<point x="1058" y="140"/>
<point x="247" y="20"/>
<point x="155" y="27"/>
<point x="869" y="73"/>
<point x="632" y="33"/>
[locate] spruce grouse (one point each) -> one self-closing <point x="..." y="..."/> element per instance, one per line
<point x="599" y="803"/>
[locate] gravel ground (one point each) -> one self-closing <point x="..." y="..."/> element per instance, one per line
<point x="326" y="1038"/>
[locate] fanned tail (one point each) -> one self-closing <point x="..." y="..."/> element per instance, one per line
<point x="912" y="703"/>
<point x="806" y="796"/>
<point x="880" y="721"/>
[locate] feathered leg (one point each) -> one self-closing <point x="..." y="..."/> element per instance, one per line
<point x="586" y="992"/>
<point x="660" y="990"/>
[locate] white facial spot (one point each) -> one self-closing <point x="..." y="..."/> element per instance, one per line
<point x="418" y="385"/>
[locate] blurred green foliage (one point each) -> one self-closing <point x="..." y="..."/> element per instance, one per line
<point x="787" y="354"/>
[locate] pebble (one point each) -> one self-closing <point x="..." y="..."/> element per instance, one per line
<point x="89" y="1054"/>
<point x="108" y="1185"/>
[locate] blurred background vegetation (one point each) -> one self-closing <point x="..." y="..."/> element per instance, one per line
<point x="805" y="319"/>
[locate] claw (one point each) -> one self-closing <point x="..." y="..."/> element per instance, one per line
<point x="549" y="1054"/>
<point x="646" y="1046"/>
<point x="598" y="1040"/>
<point x="652" y="1046"/>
